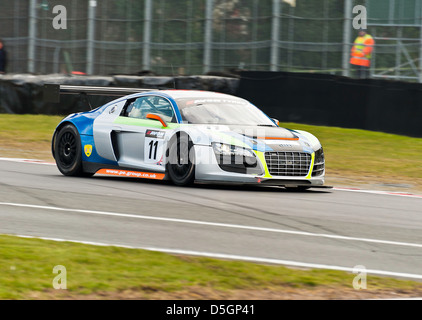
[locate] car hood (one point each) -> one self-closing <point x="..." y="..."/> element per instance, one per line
<point x="264" y="133"/>
<point x="264" y="139"/>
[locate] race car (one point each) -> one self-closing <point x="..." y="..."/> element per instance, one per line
<point x="187" y="136"/>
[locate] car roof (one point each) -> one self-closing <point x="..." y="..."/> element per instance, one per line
<point x="176" y="94"/>
<point x="180" y="93"/>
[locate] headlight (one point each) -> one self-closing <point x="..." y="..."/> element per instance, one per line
<point x="231" y="150"/>
<point x="235" y="159"/>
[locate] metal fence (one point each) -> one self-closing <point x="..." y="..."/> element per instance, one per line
<point x="186" y="37"/>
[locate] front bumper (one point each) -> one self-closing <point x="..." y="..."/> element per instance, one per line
<point x="207" y="169"/>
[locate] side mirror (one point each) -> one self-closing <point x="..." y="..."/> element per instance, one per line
<point x="154" y="116"/>
<point x="276" y="121"/>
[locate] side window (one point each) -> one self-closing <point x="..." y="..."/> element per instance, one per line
<point x="140" y="107"/>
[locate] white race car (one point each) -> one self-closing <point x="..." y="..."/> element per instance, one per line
<point x="187" y="136"/>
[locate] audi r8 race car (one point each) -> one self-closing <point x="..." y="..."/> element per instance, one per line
<point x="187" y="136"/>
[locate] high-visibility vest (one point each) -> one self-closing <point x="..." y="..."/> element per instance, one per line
<point x="362" y="51"/>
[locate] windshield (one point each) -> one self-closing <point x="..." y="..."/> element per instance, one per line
<point x="223" y="111"/>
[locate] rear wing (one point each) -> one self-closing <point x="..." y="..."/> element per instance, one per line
<point x="52" y="92"/>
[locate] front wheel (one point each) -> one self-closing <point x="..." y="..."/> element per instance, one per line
<point x="68" y="152"/>
<point x="181" y="160"/>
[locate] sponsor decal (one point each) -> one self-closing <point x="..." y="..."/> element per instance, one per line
<point x="155" y="134"/>
<point x="285" y="145"/>
<point x="88" y="150"/>
<point x="133" y="174"/>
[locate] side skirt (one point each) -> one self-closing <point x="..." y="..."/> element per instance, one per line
<point x="113" y="170"/>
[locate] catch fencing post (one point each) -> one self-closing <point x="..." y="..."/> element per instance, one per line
<point x="92" y="4"/>
<point x="347" y="31"/>
<point x="32" y="34"/>
<point x="275" y="35"/>
<point x="146" y="59"/>
<point x="208" y="36"/>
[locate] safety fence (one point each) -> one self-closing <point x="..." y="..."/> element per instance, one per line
<point x="186" y="37"/>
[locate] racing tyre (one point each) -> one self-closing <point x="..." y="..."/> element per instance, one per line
<point x="180" y="164"/>
<point x="68" y="152"/>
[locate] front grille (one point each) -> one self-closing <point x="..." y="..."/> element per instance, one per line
<point x="294" y="164"/>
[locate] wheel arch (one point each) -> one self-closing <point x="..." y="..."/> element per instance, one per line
<point x="83" y="122"/>
<point x="176" y="135"/>
<point x="186" y="180"/>
<point x="58" y="128"/>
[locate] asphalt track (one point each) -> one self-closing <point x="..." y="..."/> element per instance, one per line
<point x="335" y="229"/>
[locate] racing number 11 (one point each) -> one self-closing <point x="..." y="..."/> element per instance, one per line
<point x="153" y="145"/>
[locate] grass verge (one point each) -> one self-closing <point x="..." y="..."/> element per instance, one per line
<point x="26" y="272"/>
<point x="27" y="136"/>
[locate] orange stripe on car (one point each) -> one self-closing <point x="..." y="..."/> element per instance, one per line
<point x="276" y="138"/>
<point x="133" y="174"/>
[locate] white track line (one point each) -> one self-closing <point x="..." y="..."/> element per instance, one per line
<point x="389" y="193"/>
<point x="214" y="224"/>
<point x="33" y="161"/>
<point x="242" y="258"/>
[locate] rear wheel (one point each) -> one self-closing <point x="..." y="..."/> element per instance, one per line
<point x="180" y="164"/>
<point x="68" y="152"/>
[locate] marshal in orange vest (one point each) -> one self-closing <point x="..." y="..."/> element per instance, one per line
<point x="362" y="50"/>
